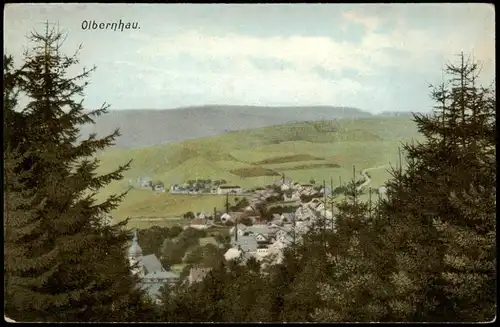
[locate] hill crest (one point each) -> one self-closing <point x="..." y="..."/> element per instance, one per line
<point x="141" y="128"/>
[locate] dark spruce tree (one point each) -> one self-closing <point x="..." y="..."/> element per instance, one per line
<point x="20" y="204"/>
<point x="16" y="197"/>
<point x="351" y="287"/>
<point x="62" y="263"/>
<point x="13" y="120"/>
<point x="440" y="211"/>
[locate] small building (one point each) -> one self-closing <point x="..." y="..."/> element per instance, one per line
<point x="302" y="228"/>
<point x="263" y="229"/>
<point x="326" y="191"/>
<point x="250" y="208"/>
<point x="262" y="251"/>
<point x="285" y="187"/>
<point x="277" y="245"/>
<point x="225" y="189"/>
<point x="304" y="213"/>
<point x="314" y="203"/>
<point x="159" y="188"/>
<point x="241" y="230"/>
<point x="153" y="282"/>
<point x="283" y="181"/>
<point x="201" y="215"/>
<point x="307" y="187"/>
<point x="295" y="196"/>
<point x="226" y="217"/>
<point x="288" y="238"/>
<point x="261" y="238"/>
<point x="320" y="207"/>
<point x="275" y="223"/>
<point x="280" y="234"/>
<point x="287" y="217"/>
<point x="233" y="253"/>
<point x="326" y="213"/>
<point x="200" y="224"/>
<point x="244" y="243"/>
<point x="145" y="182"/>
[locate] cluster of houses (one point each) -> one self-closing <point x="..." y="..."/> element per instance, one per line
<point x="195" y="188"/>
<point x="264" y="196"/>
<point x="221" y="189"/>
<point x="264" y="240"/>
<point x="257" y="198"/>
<point x="261" y="240"/>
<point x="294" y="190"/>
<point x="203" y="221"/>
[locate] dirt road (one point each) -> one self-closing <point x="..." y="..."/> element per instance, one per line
<point x="366" y="177"/>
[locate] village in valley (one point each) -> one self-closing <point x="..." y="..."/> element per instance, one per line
<point x="260" y="223"/>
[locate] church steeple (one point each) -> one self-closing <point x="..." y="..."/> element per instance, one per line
<point x="135" y="250"/>
<point x="135" y="236"/>
<point x="135" y="255"/>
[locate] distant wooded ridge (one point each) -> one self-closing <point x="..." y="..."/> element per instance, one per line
<point x="149" y="127"/>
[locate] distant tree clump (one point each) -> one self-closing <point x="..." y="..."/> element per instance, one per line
<point x="157" y="183"/>
<point x="151" y="239"/>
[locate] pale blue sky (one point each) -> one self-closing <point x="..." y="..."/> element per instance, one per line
<point x="375" y="57"/>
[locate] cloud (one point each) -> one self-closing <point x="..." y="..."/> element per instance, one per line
<point x="366" y="55"/>
<point x="301" y="69"/>
<point x="250" y="70"/>
<point x="243" y="82"/>
<point x="303" y="53"/>
<point x="369" y="22"/>
<point x="373" y="53"/>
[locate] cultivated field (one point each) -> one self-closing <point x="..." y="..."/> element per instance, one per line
<point x="302" y="151"/>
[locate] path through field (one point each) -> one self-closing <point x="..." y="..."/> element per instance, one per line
<point x="366" y="177"/>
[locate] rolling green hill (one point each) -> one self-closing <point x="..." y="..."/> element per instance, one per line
<point x="142" y="128"/>
<point x="303" y="151"/>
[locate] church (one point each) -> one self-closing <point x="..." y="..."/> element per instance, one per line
<point x="149" y="269"/>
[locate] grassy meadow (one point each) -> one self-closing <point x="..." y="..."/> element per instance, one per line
<point x="302" y="151"/>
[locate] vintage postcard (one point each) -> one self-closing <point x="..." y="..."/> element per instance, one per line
<point x="249" y="162"/>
